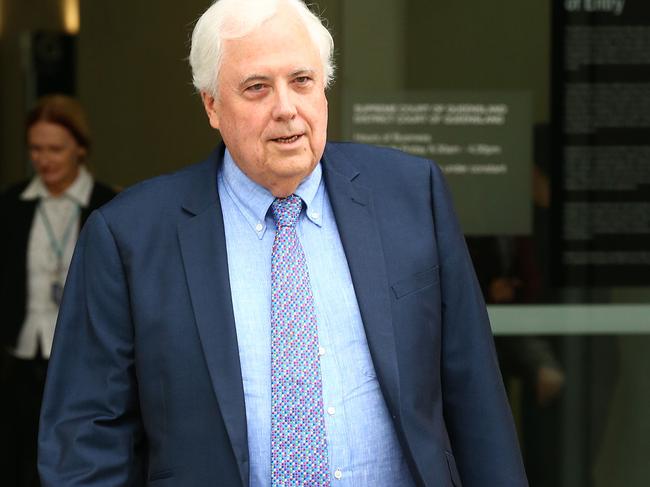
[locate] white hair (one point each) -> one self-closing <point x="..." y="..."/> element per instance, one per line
<point x="232" y="19"/>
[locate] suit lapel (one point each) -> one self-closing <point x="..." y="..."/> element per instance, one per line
<point x="357" y="224"/>
<point x="203" y="247"/>
<point x="24" y="217"/>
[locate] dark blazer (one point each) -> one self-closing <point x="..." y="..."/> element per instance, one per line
<point x="145" y="388"/>
<point x="16" y="218"/>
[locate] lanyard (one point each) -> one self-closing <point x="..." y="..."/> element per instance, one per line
<point x="58" y="246"/>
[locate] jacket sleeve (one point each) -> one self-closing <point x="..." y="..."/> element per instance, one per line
<point x="476" y="411"/>
<point x="90" y="430"/>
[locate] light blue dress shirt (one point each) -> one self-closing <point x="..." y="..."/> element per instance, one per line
<point x="362" y="444"/>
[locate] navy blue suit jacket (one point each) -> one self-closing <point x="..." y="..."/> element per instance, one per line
<point x="145" y="388"/>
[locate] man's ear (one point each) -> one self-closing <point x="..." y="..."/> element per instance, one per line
<point x="209" y="103"/>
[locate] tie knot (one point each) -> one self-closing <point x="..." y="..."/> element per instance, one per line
<point x="286" y="210"/>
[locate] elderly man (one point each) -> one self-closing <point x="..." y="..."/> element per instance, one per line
<point x="289" y="312"/>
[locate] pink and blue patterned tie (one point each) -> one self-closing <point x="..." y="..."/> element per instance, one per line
<point x="298" y="440"/>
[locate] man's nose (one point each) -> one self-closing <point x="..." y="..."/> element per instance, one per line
<point x="284" y="107"/>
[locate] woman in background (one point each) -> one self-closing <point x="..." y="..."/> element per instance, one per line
<point x="40" y="221"/>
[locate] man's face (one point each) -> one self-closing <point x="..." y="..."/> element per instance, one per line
<point x="271" y="108"/>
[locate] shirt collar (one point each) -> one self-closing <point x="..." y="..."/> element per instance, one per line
<point x="79" y="191"/>
<point x="254" y="200"/>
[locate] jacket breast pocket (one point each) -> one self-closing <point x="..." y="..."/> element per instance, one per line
<point x="160" y="476"/>
<point x="416" y="282"/>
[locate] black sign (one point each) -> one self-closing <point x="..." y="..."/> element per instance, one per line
<point x="601" y="120"/>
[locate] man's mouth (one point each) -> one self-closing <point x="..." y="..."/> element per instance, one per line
<point x="287" y="140"/>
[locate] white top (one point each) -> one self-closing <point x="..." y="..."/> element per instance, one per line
<point x="41" y="310"/>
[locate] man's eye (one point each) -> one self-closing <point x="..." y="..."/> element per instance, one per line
<point x="301" y="80"/>
<point x="256" y="87"/>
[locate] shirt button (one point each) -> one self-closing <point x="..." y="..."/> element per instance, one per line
<point x="338" y="474"/>
<point x="321" y="351"/>
<point x="331" y="410"/>
<point x="315" y="215"/>
<point x="258" y="227"/>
